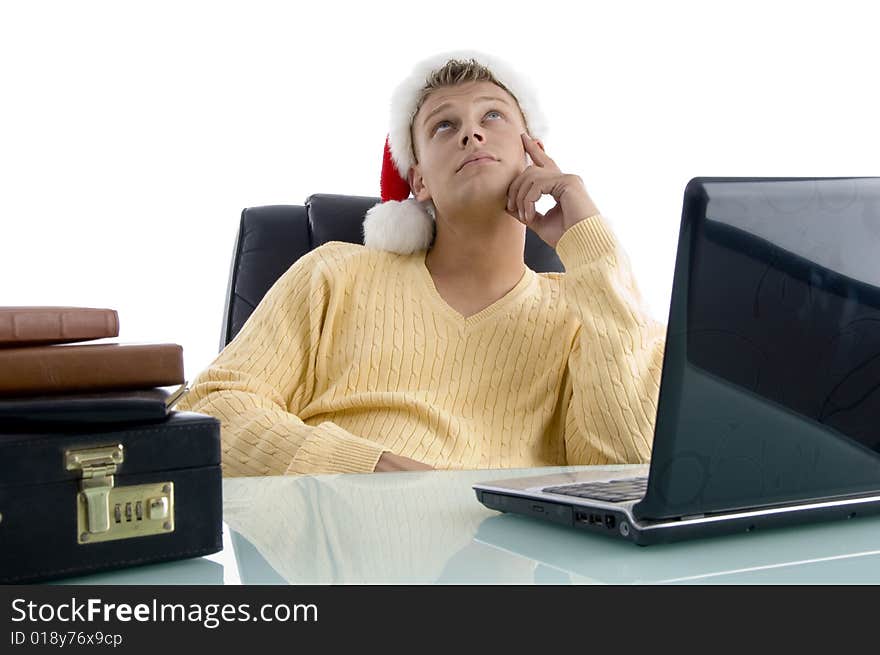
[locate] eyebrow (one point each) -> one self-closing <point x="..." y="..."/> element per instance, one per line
<point x="444" y="105"/>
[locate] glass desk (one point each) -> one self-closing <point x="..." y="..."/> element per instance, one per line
<point x="428" y="527"/>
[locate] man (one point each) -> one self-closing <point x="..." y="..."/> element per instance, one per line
<point x="435" y="346"/>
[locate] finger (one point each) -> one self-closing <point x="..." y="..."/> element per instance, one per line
<point x="515" y="187"/>
<point x="536" y="152"/>
<point x="512" y="191"/>
<point x="535" y="219"/>
<point x="532" y="196"/>
<point x="531" y="216"/>
<point x="532" y="185"/>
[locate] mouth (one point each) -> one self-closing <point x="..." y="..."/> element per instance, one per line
<point x="477" y="160"/>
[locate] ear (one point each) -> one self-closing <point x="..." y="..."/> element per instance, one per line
<point x="417" y="184"/>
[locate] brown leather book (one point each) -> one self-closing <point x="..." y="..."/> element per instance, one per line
<point x="56" y="369"/>
<point x="31" y="326"/>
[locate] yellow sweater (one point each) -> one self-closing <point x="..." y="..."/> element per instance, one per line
<point x="353" y="352"/>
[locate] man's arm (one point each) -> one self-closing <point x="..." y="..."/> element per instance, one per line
<point x="614" y="366"/>
<point x="612" y="380"/>
<point x="266" y="375"/>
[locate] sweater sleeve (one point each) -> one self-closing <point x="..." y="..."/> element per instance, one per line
<point x="613" y="374"/>
<point x="260" y="381"/>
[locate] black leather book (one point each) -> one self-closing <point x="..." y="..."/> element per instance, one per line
<point x="93" y="407"/>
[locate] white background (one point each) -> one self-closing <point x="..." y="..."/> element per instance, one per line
<point x="132" y="134"/>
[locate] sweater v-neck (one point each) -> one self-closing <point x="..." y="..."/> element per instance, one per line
<point x="452" y="314"/>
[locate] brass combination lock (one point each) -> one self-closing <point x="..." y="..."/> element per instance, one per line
<point x="105" y="512"/>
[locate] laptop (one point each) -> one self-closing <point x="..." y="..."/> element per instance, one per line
<point x="769" y="405"/>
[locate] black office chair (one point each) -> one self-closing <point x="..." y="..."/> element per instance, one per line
<point x="271" y="238"/>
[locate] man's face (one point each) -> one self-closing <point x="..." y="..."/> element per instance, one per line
<point x="456" y="124"/>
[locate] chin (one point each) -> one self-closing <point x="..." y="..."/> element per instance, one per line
<point x="484" y="191"/>
<point x="483" y="202"/>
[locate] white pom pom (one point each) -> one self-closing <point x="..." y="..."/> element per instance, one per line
<point x="403" y="227"/>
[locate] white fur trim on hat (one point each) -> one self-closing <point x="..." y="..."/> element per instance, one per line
<point x="403" y="227"/>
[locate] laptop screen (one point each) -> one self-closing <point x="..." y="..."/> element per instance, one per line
<point x="771" y="380"/>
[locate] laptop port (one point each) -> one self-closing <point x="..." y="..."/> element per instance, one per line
<point x="609" y="521"/>
<point x="581" y="517"/>
<point x="596" y="519"/>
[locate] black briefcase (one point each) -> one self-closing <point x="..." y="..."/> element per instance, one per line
<point x="81" y="499"/>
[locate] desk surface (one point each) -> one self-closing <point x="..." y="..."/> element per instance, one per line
<point x="427" y="527"/>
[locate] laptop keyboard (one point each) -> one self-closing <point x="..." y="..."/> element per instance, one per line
<point x="613" y="491"/>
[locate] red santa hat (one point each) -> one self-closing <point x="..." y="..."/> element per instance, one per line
<point x="405" y="225"/>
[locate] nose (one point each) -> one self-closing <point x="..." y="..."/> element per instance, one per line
<point x="469" y="134"/>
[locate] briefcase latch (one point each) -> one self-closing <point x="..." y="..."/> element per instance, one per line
<point x="106" y="512"/>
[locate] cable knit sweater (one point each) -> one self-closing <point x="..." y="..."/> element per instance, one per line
<point x="353" y="352"/>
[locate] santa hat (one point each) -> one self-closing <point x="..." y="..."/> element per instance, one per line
<point x="402" y="224"/>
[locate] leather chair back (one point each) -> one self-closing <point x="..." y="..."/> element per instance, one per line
<point x="271" y="238"/>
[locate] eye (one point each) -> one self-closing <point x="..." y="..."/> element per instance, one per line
<point x="440" y="124"/>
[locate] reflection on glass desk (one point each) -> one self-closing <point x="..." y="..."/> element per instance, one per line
<point x="216" y="569"/>
<point x="194" y="571"/>
<point x="428" y="527"/>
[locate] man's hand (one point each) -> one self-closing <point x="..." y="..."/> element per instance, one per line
<point x="390" y="462"/>
<point x="573" y="203"/>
